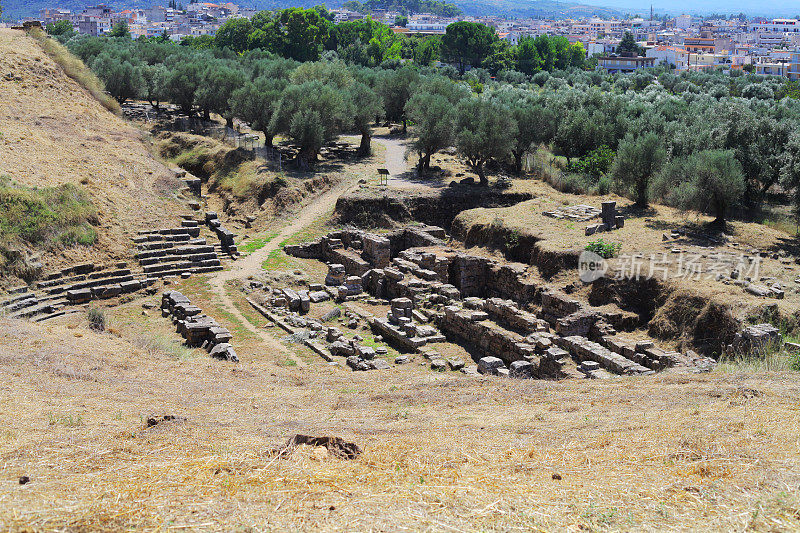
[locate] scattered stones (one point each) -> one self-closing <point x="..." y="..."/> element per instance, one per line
<point x="577" y="213"/>
<point x="197" y="328"/>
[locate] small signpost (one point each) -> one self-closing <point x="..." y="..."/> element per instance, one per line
<point x="383" y="177"/>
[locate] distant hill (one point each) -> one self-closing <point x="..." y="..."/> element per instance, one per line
<point x="521" y="8"/>
<point x="533" y="8"/>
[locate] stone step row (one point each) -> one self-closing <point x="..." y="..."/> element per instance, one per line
<point x="169" y="231"/>
<point x="54" y="314"/>
<point x="172" y="258"/>
<point x="180" y="271"/>
<point x="174" y="250"/>
<point x="48" y="307"/>
<point x="583" y="349"/>
<point x="91" y="283"/>
<point x="155" y="243"/>
<point x="60" y="281"/>
<point x="27" y="300"/>
<point x="160" y="267"/>
<point x="78" y="273"/>
<point x="16" y="298"/>
<point x="100" y="292"/>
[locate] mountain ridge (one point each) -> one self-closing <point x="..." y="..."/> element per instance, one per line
<point x="526" y="8"/>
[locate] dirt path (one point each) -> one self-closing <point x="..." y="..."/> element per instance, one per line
<point x="400" y="178"/>
<point x="401" y="174"/>
<point x="251" y="265"/>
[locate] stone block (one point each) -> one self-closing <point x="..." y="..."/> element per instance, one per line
<point x="438" y="364"/>
<point x="521" y="369"/>
<point x="455" y="364"/>
<point x="379" y="364"/>
<point x="318" y="296"/>
<point x="490" y="365"/>
<point x="224" y="351"/>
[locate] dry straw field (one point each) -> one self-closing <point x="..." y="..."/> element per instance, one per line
<point x="440" y="452"/>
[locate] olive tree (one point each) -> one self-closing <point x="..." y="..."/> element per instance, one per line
<point x="710" y="181"/>
<point x="255" y="103"/>
<point x="219" y="83"/>
<point x="364" y="106"/>
<point x="638" y="161"/>
<point x="123" y="80"/>
<point x="311" y="114"/>
<point x="484" y="130"/>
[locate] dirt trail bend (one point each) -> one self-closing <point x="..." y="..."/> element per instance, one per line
<point x="401" y="174"/>
<point x="251" y="265"/>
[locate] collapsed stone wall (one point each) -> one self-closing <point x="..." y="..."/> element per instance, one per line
<point x="479" y="301"/>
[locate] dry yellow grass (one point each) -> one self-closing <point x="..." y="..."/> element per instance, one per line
<point x="52" y="131"/>
<point x="441" y="452"/>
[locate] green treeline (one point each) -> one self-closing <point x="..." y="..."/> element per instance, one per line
<point x="708" y="141"/>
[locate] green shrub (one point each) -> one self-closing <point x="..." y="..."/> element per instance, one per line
<point x="604" y="249"/>
<point x="595" y="164"/>
<point x="44" y="218"/>
<point x="47" y="215"/>
<point x="794" y="362"/>
<point x="97" y="319"/>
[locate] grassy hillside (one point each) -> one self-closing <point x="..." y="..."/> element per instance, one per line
<point x="56" y="137"/>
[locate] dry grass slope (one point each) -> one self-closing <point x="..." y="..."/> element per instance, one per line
<point x="441" y="452"/>
<point x="53" y="132"/>
<point x="75" y="69"/>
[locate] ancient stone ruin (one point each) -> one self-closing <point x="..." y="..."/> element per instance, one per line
<point x="175" y="251"/>
<point x="610" y="219"/>
<point x="514" y="326"/>
<point x="226" y="236"/>
<point x="57" y="292"/>
<point x="198" y="329"/>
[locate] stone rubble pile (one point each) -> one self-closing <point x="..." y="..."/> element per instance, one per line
<point x="440" y="293"/>
<point x="198" y="329"/>
<point x="400" y="327"/>
<point x="755" y="338"/>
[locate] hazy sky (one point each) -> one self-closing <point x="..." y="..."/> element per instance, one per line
<point x="756" y="7"/>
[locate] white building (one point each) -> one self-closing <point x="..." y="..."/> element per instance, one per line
<point x="683" y="22"/>
<point x="671" y="56"/>
<point x="775" y="26"/>
<point x="794" y="66"/>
